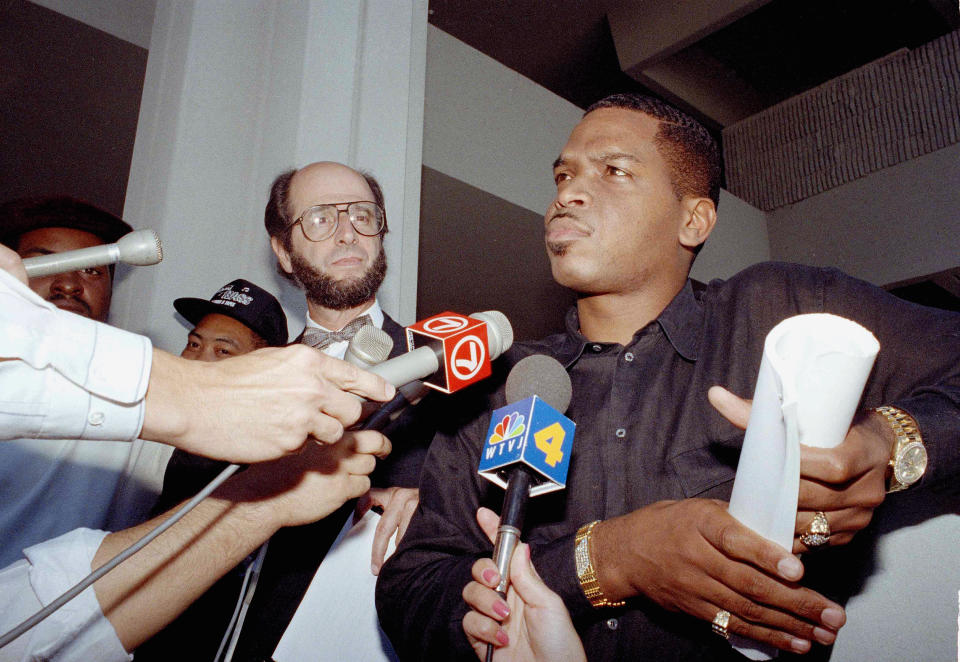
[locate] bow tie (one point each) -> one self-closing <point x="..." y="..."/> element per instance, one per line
<point x="321" y="339"/>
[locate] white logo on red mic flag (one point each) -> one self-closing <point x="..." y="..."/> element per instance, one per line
<point x="463" y="342"/>
<point x="468" y="355"/>
<point x="445" y="323"/>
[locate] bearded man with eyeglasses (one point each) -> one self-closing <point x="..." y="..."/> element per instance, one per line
<point x="326" y="223"/>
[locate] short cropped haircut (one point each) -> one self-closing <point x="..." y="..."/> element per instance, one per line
<point x="688" y="148"/>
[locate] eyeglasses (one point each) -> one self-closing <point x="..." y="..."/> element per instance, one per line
<point x="321" y="221"/>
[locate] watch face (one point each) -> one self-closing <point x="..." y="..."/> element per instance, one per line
<point x="911" y="463"/>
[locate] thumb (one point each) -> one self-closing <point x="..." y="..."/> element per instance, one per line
<point x="488" y="521"/>
<point x="525" y="579"/>
<point x="732" y="407"/>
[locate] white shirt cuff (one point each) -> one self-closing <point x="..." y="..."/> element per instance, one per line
<point x="78" y="630"/>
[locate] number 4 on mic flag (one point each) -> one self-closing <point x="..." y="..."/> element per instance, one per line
<point x="532" y="433"/>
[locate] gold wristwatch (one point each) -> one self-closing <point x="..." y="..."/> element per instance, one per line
<point x="586" y="573"/>
<point x="908" y="460"/>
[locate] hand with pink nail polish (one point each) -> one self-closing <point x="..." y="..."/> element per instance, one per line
<point x="532" y="625"/>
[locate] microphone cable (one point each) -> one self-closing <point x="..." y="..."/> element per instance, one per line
<point x="80" y="586"/>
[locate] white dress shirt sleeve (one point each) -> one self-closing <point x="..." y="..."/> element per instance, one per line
<point x="65" y="376"/>
<point x="76" y="632"/>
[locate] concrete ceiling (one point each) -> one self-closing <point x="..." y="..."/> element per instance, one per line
<point x="721" y="60"/>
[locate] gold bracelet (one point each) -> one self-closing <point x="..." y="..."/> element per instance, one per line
<point x="908" y="458"/>
<point x="586" y="573"/>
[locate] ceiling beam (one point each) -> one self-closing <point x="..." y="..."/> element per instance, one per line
<point x="648" y="31"/>
<point x="656" y="45"/>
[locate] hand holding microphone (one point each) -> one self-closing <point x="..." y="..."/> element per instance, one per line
<point x="527" y="449"/>
<point x="140" y="248"/>
<point x="537" y="627"/>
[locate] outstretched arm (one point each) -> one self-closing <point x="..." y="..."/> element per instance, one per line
<point x="151" y="588"/>
<point x="255" y="407"/>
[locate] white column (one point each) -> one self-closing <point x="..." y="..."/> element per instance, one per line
<point x="237" y="92"/>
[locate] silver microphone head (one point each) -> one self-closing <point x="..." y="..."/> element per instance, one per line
<point x="140" y="248"/>
<point x="369" y="347"/>
<point x="499" y="331"/>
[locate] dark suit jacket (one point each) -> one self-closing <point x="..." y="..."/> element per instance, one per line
<point x="294" y="553"/>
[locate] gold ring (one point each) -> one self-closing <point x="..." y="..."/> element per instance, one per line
<point x="818" y="533"/>
<point x="720" y="622"/>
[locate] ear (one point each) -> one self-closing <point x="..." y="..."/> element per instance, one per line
<point x="699" y="218"/>
<point x="283" y="257"/>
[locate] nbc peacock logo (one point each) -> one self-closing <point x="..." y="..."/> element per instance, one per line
<point x="510" y="426"/>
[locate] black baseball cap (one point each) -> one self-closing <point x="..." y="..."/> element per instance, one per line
<point x="17" y="217"/>
<point x="249" y="304"/>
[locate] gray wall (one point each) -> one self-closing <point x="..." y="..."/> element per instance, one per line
<point x="71" y="94"/>
<point x="892" y="225"/>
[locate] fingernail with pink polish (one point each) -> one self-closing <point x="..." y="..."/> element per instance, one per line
<point x="503" y="638"/>
<point x="501" y="609"/>
<point x="491" y="576"/>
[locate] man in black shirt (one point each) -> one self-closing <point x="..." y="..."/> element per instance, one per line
<point x="638" y="547"/>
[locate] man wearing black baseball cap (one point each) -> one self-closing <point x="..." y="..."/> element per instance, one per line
<point x="40" y="226"/>
<point x="239" y="318"/>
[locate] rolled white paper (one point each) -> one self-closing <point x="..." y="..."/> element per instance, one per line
<point x="811" y="377"/>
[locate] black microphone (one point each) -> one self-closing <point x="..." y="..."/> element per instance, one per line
<point x="140" y="248"/>
<point x="527" y="449"/>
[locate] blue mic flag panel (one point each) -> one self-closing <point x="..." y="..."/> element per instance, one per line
<point x="531" y="433"/>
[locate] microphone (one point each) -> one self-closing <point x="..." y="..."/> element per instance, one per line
<point x="449" y="351"/>
<point x="527" y="449"/>
<point x="368" y="347"/>
<point x="140" y="248"/>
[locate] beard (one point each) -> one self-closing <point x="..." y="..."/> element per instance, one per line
<point x="334" y="294"/>
<point x="558" y="248"/>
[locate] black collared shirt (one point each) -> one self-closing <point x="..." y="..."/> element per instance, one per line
<point x="645" y="433"/>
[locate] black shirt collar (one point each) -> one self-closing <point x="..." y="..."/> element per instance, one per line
<point x="682" y="322"/>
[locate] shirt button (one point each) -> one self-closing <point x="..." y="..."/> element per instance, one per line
<point x="628" y="356"/>
<point x="621" y="433"/>
<point x="95" y="418"/>
<point x="596" y="348"/>
<point x="612" y="623"/>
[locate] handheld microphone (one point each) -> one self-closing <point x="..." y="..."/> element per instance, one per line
<point x="527" y="449"/>
<point x="449" y="351"/>
<point x="140" y="248"/>
<point x="368" y="347"/>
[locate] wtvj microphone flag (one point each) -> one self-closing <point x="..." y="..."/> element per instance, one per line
<point x="532" y="433"/>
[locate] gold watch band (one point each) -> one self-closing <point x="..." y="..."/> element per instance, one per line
<point x="905" y="431"/>
<point x="586" y="573"/>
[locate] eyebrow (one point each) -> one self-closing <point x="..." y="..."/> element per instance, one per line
<point x="602" y="156"/>
<point x="224" y="339"/>
<point x="38" y="250"/>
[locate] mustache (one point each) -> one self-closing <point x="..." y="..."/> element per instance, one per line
<point x="571" y="218"/>
<point x="66" y="297"/>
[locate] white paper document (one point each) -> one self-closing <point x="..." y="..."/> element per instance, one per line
<point x="811" y="377"/>
<point x="337" y="619"/>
